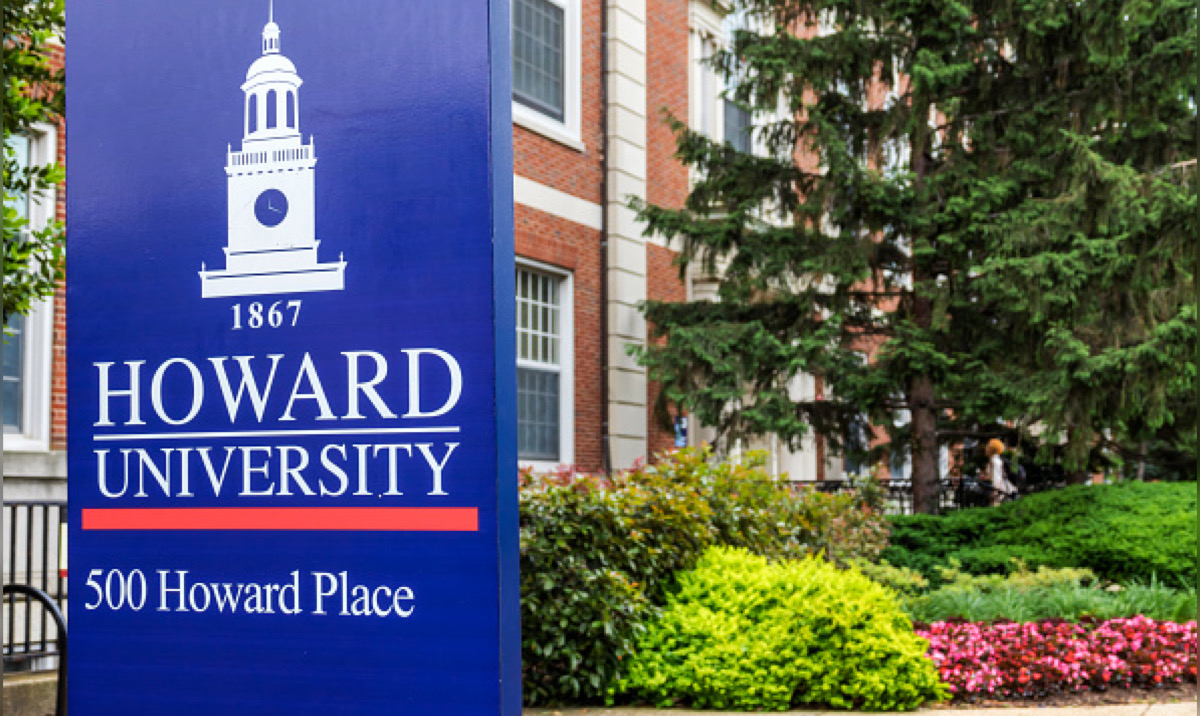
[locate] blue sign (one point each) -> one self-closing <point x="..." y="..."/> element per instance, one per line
<point x="681" y="426"/>
<point x="290" y="358"/>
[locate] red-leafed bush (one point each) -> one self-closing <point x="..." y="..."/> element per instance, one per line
<point x="1035" y="659"/>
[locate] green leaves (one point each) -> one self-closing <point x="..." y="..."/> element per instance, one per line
<point x="33" y="96"/>
<point x="746" y="633"/>
<point x="1050" y="594"/>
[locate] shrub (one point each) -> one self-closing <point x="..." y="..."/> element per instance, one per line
<point x="580" y="611"/>
<point x="1036" y="659"/>
<point x="905" y="582"/>
<point x="598" y="555"/>
<point x="1048" y="593"/>
<point x="746" y="633"/>
<point x="1127" y="532"/>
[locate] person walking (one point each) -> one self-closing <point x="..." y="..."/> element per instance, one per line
<point x="994" y="473"/>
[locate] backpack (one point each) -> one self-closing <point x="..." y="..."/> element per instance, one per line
<point x="1015" y="473"/>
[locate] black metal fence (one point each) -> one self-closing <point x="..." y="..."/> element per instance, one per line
<point x="34" y="550"/>
<point x="952" y="495"/>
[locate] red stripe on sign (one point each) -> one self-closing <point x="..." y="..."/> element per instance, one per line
<point x="352" y="519"/>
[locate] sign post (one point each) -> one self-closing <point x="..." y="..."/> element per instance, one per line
<point x="290" y="358"/>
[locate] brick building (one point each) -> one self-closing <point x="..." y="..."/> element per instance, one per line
<point x="593" y="81"/>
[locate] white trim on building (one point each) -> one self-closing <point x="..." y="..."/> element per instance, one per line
<point x="549" y="200"/>
<point x="626" y="407"/>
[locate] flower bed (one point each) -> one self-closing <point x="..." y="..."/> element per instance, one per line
<point x="1037" y="659"/>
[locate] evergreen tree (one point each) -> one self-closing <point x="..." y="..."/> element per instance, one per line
<point x="1018" y="144"/>
<point x="32" y="95"/>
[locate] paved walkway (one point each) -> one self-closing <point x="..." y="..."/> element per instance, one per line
<point x="1187" y="708"/>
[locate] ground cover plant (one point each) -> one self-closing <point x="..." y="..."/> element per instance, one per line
<point x="746" y="633"/>
<point x="1031" y="595"/>
<point x="1040" y="659"/>
<point x="599" y="555"/>
<point x="1131" y="532"/>
<point x="1072" y="600"/>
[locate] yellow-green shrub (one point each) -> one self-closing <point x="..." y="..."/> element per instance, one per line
<point x="746" y="633"/>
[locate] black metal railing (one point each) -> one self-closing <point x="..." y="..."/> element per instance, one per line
<point x="34" y="558"/>
<point x="48" y="605"/>
<point x="952" y="495"/>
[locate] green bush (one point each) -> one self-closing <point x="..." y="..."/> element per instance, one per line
<point x="598" y="556"/>
<point x="1046" y="593"/>
<point x="1128" y="532"/>
<point x="901" y="580"/>
<point x="746" y="633"/>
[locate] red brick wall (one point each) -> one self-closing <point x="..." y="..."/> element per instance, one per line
<point x="666" y="92"/>
<point x="666" y="177"/>
<point x="576" y="248"/>
<point x="662" y="284"/>
<point x="579" y="173"/>
<point x="58" y="375"/>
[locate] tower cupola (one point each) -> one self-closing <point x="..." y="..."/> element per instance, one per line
<point x="270" y="33"/>
<point x="272" y="90"/>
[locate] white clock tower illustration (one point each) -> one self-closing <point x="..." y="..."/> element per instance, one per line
<point x="272" y="245"/>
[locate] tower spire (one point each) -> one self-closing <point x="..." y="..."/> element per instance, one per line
<point x="270" y="33"/>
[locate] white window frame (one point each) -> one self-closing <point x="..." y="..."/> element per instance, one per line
<point x="566" y="357"/>
<point x="711" y="25"/>
<point x="706" y="106"/>
<point x="38" y="358"/>
<point x="567" y="131"/>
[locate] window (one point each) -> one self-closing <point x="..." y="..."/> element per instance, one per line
<point x="291" y="109"/>
<point x="271" y="109"/>
<point x="545" y="383"/>
<point x="252" y="114"/>
<point x="19" y="146"/>
<point x="706" y="37"/>
<point x="705" y="82"/>
<point x="901" y="460"/>
<point x="856" y="442"/>
<point x="14" y="374"/>
<point x="856" y="439"/>
<point x="546" y="67"/>
<point x="26" y="351"/>
<point x="538" y="56"/>
<point x="739" y="119"/>
<point x="738" y="127"/>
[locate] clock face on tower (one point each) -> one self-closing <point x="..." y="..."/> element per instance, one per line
<point x="271" y="207"/>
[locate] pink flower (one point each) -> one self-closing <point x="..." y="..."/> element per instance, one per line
<point x="1009" y="659"/>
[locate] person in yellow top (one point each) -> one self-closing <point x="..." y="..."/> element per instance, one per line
<point x="993" y="473"/>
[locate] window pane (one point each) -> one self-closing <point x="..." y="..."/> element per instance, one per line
<point x="737" y="126"/>
<point x="537" y="415"/>
<point x="538" y="318"/>
<point x="538" y="375"/>
<point x="14" y="374"/>
<point x="537" y="46"/>
<point x="20" y="147"/>
<point x="272" y="101"/>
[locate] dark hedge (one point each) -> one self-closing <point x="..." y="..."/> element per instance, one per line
<point x="1127" y="532"/>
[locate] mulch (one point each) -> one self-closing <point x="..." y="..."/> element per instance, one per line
<point x="1165" y="694"/>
